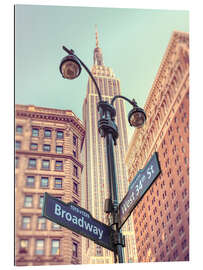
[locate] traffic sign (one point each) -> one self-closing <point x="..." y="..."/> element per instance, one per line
<point x="77" y="219"/>
<point x="138" y="187"/>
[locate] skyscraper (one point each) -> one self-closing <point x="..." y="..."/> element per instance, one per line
<point x="48" y="145"/>
<point x="95" y="177"/>
<point x="161" y="219"/>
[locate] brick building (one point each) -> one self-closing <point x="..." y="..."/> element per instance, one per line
<point x="48" y="144"/>
<point x="161" y="219"/>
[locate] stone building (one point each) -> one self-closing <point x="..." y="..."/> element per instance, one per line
<point x="161" y="219"/>
<point x="96" y="187"/>
<point x="47" y="159"/>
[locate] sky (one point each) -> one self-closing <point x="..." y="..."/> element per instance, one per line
<point x="133" y="42"/>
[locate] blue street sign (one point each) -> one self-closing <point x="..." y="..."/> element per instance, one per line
<point x="138" y="187"/>
<point x="77" y="219"/>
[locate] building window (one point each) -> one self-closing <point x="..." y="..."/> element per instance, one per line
<point x="75" y="187"/>
<point x="23" y="246"/>
<point x="19" y="129"/>
<point x="46" y="147"/>
<point x="181" y="231"/>
<point x="28" y="201"/>
<point x="178" y="218"/>
<point x="58" y="183"/>
<point x="41" y="200"/>
<point x="74" y="154"/>
<point x="33" y="146"/>
<point x="41" y="223"/>
<point x="175" y="254"/>
<point x="35" y="132"/>
<point x="59" y="134"/>
<point x="39" y="247"/>
<point x="30" y="181"/>
<point x="75" y="201"/>
<point x="74" y="140"/>
<point x="32" y="163"/>
<point x="45" y="164"/>
<point x="55" y="226"/>
<point x="99" y="251"/>
<point x="187" y="206"/>
<point x="55" y="247"/>
<point x="44" y="182"/>
<point x="47" y="133"/>
<point x="75" y="170"/>
<point x="59" y="149"/>
<point x="16" y="162"/>
<point x="26" y="223"/>
<point x="17" y="145"/>
<point x="59" y="165"/>
<point x="75" y="249"/>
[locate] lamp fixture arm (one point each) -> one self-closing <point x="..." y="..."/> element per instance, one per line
<point x="71" y="52"/>
<point x="132" y="102"/>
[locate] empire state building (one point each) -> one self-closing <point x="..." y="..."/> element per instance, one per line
<point x="95" y="174"/>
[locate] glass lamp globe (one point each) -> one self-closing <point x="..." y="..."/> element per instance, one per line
<point x="137" y="117"/>
<point x="70" y="67"/>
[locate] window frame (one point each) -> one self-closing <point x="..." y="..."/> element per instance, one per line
<point x="35" y="129"/>
<point x="27" y="223"/>
<point x="30" y="166"/>
<point x="46" y="145"/>
<point x="40" y="203"/>
<point x="42" y="178"/>
<point x="75" y="251"/>
<point x="17" y="127"/>
<point x="58" y="247"/>
<point x="32" y="148"/>
<point x="43" y="241"/>
<point x="21" y="247"/>
<point x="47" y="130"/>
<point x="27" y="184"/>
<point x="59" y="147"/>
<point x="57" y="134"/>
<point x="55" y="185"/>
<point x="41" y="224"/>
<point x="19" y="145"/>
<point x="75" y="184"/>
<point x="45" y="167"/>
<point x="27" y="196"/>
<point x="75" y="170"/>
<point x="59" y="168"/>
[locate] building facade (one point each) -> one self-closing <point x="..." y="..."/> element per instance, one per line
<point x="161" y="219"/>
<point x="95" y="174"/>
<point x="48" y="159"/>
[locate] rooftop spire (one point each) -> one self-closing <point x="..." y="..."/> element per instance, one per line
<point x="97" y="39"/>
<point x="98" y="58"/>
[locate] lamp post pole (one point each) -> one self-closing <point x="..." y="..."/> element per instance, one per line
<point x="70" y="69"/>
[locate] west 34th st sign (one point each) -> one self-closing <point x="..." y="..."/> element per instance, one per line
<point x="138" y="187"/>
<point x="77" y="219"/>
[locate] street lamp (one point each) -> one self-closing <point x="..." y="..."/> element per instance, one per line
<point x="70" y="69"/>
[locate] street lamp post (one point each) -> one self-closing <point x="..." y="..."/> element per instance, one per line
<point x="70" y="68"/>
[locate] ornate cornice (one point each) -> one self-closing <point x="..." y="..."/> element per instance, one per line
<point x="48" y="114"/>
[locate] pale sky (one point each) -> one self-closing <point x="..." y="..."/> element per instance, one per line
<point x="133" y="42"/>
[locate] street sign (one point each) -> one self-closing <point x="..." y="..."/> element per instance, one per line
<point x="77" y="219"/>
<point x="138" y="187"/>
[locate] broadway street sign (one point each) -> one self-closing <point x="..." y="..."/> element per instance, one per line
<point x="138" y="187"/>
<point x="77" y="219"/>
